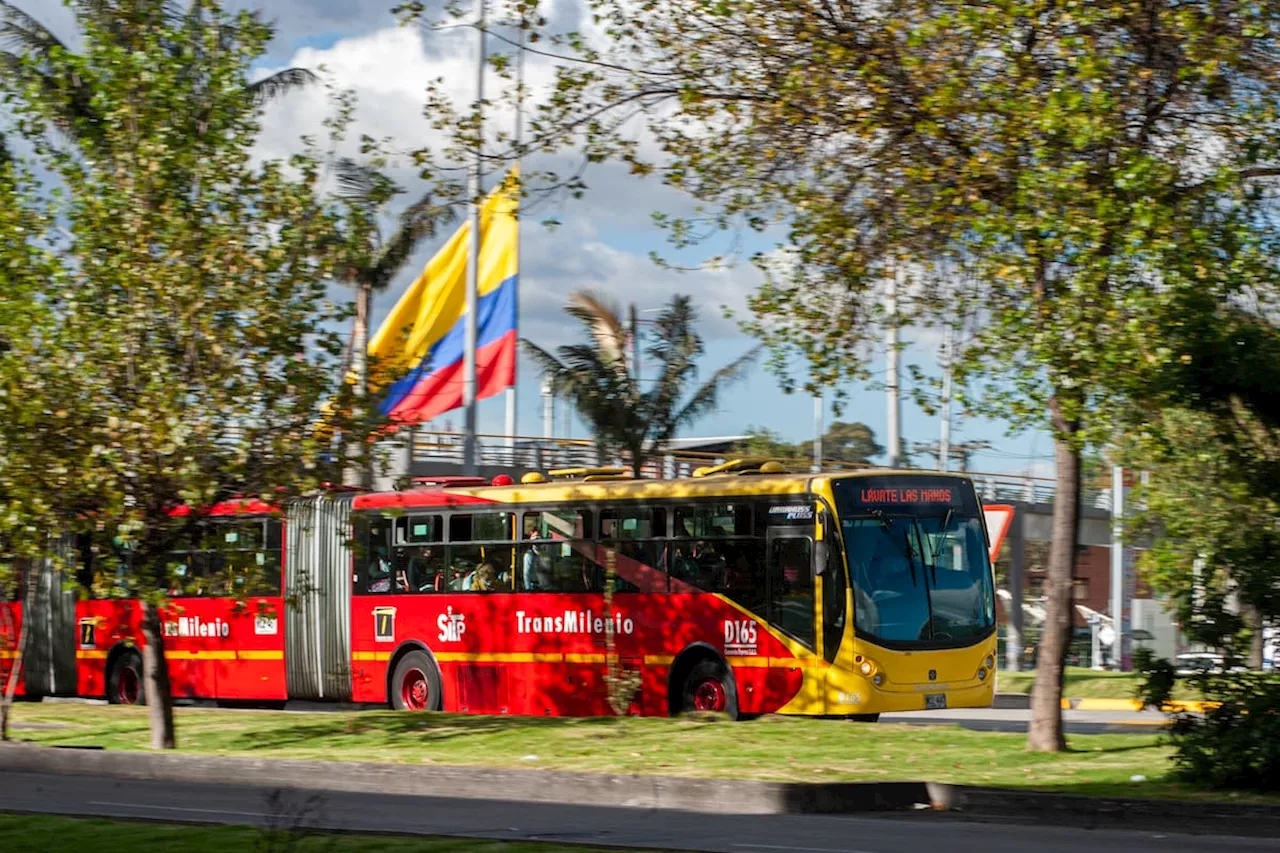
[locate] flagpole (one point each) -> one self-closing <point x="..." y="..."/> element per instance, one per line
<point x="515" y="372"/>
<point x="473" y="269"/>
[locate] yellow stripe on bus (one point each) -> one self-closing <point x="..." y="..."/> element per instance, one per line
<point x="259" y="655"/>
<point x="371" y="656"/>
<point x="754" y="661"/>
<point x="92" y="654"/>
<point x="200" y="654"/>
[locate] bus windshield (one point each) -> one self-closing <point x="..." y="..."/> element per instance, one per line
<point x="918" y="561"/>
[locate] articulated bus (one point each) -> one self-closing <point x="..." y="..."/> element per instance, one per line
<point x="744" y="590"/>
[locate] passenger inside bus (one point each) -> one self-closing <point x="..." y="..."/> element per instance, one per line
<point x="380" y="571"/>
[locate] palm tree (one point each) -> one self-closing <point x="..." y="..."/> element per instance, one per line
<point x="26" y="47"/>
<point x="371" y="263"/>
<point x="597" y="378"/>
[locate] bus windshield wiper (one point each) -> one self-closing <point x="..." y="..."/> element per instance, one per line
<point x="910" y="554"/>
<point x="878" y="515"/>
<point x="942" y="538"/>
<point x="886" y="524"/>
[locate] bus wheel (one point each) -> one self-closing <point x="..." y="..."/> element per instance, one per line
<point x="865" y="718"/>
<point x="124" y="681"/>
<point x="708" y="687"/>
<point x="415" y="684"/>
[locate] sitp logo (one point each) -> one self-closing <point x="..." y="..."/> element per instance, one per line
<point x="452" y="626"/>
<point x="88" y="633"/>
<point x="384" y="624"/>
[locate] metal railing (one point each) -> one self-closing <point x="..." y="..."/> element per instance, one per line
<point x="542" y="454"/>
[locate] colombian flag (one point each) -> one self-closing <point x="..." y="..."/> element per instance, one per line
<point x="419" y="347"/>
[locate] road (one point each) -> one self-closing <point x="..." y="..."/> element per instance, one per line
<point x="494" y="819"/>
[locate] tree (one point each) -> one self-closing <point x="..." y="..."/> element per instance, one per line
<point x="1082" y="164"/>
<point x="853" y="443"/>
<point x="370" y="263"/>
<point x="27" y="267"/>
<point x="600" y="383"/>
<point x="32" y="62"/>
<point x="1214" y="533"/>
<point x="175" y="352"/>
<point x="764" y="442"/>
<point x="1210" y="442"/>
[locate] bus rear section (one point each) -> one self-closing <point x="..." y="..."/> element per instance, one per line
<point x="923" y="633"/>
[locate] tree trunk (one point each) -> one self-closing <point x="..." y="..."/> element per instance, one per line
<point x="1253" y="619"/>
<point x="1045" y="732"/>
<point x="155" y="674"/>
<point x="15" y="670"/>
<point x="356" y="471"/>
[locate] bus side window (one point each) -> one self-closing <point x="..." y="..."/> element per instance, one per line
<point x="791" y="587"/>
<point x="373" y="556"/>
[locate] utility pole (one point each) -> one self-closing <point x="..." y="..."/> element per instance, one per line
<point x="511" y="392"/>
<point x="893" y="406"/>
<point x="635" y="348"/>
<point x="960" y="452"/>
<point x="548" y="408"/>
<point x="944" y="439"/>
<point x="1117" y="562"/>
<point x="473" y="270"/>
<point x="818" y="405"/>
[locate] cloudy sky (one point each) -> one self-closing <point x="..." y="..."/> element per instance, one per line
<point x="603" y="240"/>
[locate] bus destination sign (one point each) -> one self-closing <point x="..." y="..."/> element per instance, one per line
<point x="930" y="495"/>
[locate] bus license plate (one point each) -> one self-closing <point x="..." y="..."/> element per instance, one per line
<point x="935" y="701"/>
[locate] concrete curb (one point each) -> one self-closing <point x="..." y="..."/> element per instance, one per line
<point x="724" y="796"/>
<point x="1022" y="702"/>
<point x="648" y="792"/>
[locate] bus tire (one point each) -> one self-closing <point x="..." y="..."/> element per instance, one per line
<point x="865" y="718"/>
<point x="709" y="687"/>
<point x="415" y="683"/>
<point x="125" y="685"/>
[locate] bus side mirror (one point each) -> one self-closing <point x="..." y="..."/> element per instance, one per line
<point x="821" y="548"/>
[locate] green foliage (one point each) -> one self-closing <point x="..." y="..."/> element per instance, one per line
<point x="599" y="379"/>
<point x="765" y="443"/>
<point x="1234" y="744"/>
<point x="1210" y="510"/>
<point x="192" y="36"/>
<point x="1158" y="678"/>
<point x="854" y="443"/>
<point x="1044" y="167"/>
<point x="166" y="322"/>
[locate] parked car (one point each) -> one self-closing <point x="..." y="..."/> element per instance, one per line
<point x="1203" y="663"/>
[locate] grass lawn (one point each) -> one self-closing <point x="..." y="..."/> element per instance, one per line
<point x="48" y="834"/>
<point x="1082" y="683"/>
<point x="787" y="749"/>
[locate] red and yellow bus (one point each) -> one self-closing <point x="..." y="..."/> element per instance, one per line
<point x="744" y="590"/>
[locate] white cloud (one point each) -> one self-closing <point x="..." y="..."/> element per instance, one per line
<point x="604" y="238"/>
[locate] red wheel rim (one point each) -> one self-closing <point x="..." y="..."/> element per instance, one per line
<point x="414" y="691"/>
<point x="127" y="686"/>
<point x="709" y="695"/>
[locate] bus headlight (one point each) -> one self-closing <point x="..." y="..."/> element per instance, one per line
<point x="867" y="667"/>
<point x="982" y="674"/>
<point x="990" y="662"/>
<point x="878" y="680"/>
